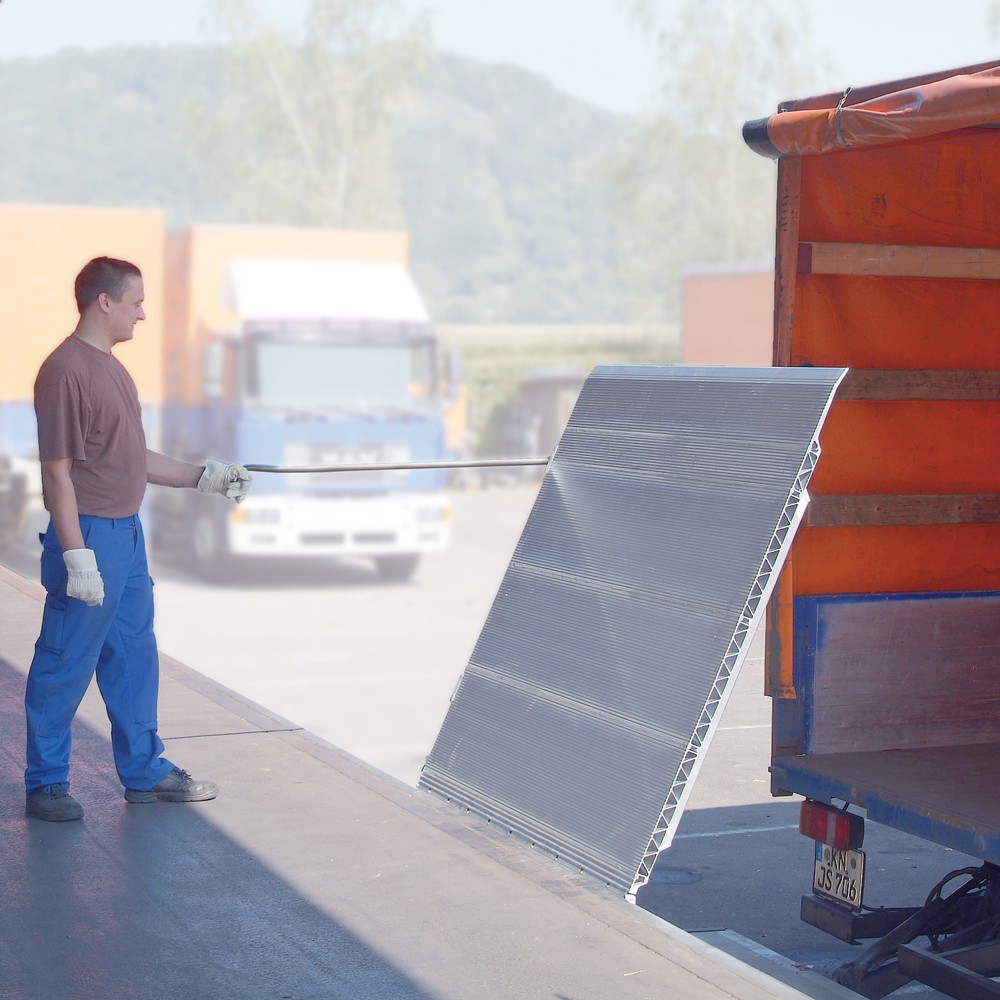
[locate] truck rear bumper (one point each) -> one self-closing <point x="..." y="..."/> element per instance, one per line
<point x="847" y="925"/>
<point x="282" y="524"/>
<point x="947" y="795"/>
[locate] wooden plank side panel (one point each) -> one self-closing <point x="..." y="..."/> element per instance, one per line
<point x="893" y="384"/>
<point x="959" y="508"/>
<point x="902" y="672"/>
<point x="887" y="260"/>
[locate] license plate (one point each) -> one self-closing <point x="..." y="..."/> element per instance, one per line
<point x="839" y="875"/>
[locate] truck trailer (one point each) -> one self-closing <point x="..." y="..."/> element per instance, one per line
<point x="883" y="633"/>
<point x="42" y="248"/>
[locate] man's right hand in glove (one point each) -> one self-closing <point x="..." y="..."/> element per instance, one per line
<point x="84" y="580"/>
<point x="228" y="479"/>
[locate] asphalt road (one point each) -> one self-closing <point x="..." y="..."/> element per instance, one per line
<point x="370" y="667"/>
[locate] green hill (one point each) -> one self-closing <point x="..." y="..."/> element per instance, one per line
<point x="500" y="175"/>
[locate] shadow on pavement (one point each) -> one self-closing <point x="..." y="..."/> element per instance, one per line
<point x="254" y="574"/>
<point x="143" y="901"/>
<point x="247" y="573"/>
<point x="745" y="868"/>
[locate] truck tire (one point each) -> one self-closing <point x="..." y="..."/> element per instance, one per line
<point x="397" y="569"/>
<point x="13" y="505"/>
<point x="207" y="550"/>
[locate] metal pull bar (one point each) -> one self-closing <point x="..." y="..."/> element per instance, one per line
<point x="489" y="463"/>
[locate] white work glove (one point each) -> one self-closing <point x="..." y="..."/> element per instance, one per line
<point x="84" y="578"/>
<point x="229" y="480"/>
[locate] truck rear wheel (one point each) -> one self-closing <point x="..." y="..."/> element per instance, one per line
<point x="396" y="569"/>
<point x="207" y="548"/>
<point x="13" y="504"/>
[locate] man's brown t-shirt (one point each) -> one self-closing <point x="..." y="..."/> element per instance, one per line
<point x="88" y="410"/>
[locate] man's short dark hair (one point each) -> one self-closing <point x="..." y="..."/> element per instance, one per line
<point x="103" y="274"/>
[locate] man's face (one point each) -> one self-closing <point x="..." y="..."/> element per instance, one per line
<point x="122" y="316"/>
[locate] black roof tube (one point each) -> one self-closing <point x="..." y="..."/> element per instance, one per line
<point x="756" y="137"/>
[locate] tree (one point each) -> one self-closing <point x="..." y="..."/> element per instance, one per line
<point x="304" y="134"/>
<point x="688" y="190"/>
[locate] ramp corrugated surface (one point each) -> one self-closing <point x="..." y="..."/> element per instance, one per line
<point x="642" y="570"/>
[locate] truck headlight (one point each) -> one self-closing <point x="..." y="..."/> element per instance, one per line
<point x="256" y="515"/>
<point x="431" y="515"/>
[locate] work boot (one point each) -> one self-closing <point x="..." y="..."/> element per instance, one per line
<point x="52" y="803"/>
<point x="178" y="786"/>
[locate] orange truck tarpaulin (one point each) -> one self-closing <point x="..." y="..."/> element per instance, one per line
<point x="964" y="100"/>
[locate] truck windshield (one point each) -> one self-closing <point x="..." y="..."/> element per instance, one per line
<point x="323" y="376"/>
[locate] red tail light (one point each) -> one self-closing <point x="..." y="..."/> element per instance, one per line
<point x="838" y="829"/>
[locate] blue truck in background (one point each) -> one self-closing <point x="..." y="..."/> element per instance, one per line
<point x="302" y="349"/>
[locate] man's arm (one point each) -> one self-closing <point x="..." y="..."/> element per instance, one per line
<point x="231" y="480"/>
<point x="161" y="470"/>
<point x="60" y="500"/>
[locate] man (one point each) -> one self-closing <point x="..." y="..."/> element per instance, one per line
<point x="98" y="615"/>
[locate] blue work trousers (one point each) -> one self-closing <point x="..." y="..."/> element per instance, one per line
<point x="114" y="640"/>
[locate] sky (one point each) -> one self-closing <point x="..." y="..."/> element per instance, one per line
<point x="588" y="49"/>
